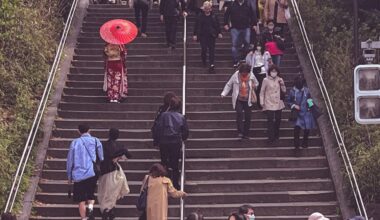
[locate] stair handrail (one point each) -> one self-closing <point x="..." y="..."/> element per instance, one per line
<point x="331" y="114"/>
<point x="182" y="201"/>
<point x="39" y="114"/>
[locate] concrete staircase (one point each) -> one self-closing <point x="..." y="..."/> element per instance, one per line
<point x="222" y="172"/>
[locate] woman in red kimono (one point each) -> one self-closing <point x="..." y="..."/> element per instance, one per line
<point x="115" y="78"/>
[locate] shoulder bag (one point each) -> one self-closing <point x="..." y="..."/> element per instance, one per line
<point x="142" y="200"/>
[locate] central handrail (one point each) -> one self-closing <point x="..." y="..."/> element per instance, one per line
<point x="331" y="114"/>
<point x="39" y="114"/>
<point x="182" y="202"/>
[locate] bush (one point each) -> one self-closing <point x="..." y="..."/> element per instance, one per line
<point x="329" y="25"/>
<point x="28" y="37"/>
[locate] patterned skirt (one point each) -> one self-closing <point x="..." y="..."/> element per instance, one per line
<point x="115" y="80"/>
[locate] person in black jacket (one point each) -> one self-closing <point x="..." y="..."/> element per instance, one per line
<point x="242" y="19"/>
<point x="169" y="14"/>
<point x="206" y="30"/>
<point x="113" y="151"/>
<point x="171" y="129"/>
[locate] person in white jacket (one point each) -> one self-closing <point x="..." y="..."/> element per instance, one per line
<point x="243" y="84"/>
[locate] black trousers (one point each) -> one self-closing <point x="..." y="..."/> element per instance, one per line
<point x="260" y="79"/>
<point x="273" y="124"/>
<point x="170" y="154"/>
<point x="208" y="44"/>
<point x="243" y="127"/>
<point x="143" y="9"/>
<point x="305" y="140"/>
<point x="171" y="29"/>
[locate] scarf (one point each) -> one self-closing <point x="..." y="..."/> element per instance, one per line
<point x="244" y="85"/>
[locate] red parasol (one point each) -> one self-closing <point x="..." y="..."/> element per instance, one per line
<point x="118" y="31"/>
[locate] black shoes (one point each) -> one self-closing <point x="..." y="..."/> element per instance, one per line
<point x="211" y="69"/>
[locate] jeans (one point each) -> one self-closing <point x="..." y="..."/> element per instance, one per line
<point x="143" y="8"/>
<point x="276" y="60"/>
<point x="274" y="121"/>
<point x="208" y="43"/>
<point x="243" y="128"/>
<point x="170" y="154"/>
<point x="170" y="29"/>
<point x="239" y="37"/>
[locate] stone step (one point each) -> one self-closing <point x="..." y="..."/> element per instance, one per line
<point x="147" y="92"/>
<point x="201" y="142"/>
<point x="195" y="133"/>
<point x="156" y="84"/>
<point x="165" y="77"/>
<point x="161" y="49"/>
<point x="156" y="48"/>
<point x="161" y="34"/>
<point x="169" y="71"/>
<point x="209" y="198"/>
<point x="220" y="174"/>
<point x="219" y="186"/>
<point x="262" y="209"/>
<point x="149" y="115"/>
<point x="262" y="152"/>
<point x="125" y="106"/>
<point x="225" y="41"/>
<point x="167" y="63"/>
<point x="129" y="123"/>
<point x="133" y="57"/>
<point x="215" y="163"/>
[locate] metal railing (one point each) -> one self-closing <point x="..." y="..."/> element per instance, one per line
<point x="39" y="114"/>
<point x="331" y="114"/>
<point x="182" y="202"/>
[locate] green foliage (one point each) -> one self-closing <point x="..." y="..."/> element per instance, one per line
<point x="28" y="37"/>
<point x="329" y="25"/>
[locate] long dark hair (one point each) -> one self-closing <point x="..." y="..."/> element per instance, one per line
<point x="167" y="98"/>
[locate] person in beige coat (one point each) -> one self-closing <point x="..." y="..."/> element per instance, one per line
<point x="275" y="10"/>
<point x="270" y="99"/>
<point x="159" y="187"/>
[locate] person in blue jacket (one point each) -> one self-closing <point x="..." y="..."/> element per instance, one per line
<point x="84" y="152"/>
<point x="299" y="100"/>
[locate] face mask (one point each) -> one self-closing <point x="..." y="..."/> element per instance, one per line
<point x="251" y="217"/>
<point x="273" y="74"/>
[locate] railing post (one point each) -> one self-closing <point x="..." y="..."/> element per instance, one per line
<point x="182" y="202"/>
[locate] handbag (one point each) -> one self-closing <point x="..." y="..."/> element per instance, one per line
<point x="142" y="200"/>
<point x="293" y="115"/>
<point x="294" y="112"/>
<point x="257" y="70"/>
<point x="282" y="95"/>
<point x="316" y="112"/>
